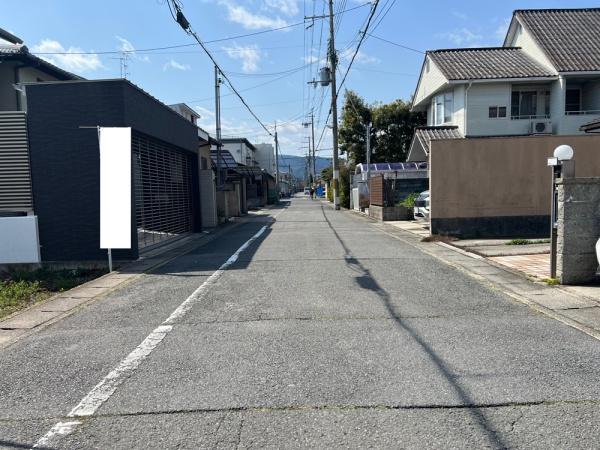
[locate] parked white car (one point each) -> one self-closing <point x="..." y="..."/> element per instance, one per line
<point x="421" y="209"/>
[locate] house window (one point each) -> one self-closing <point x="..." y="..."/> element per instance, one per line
<point x="497" y="112"/>
<point x="442" y="108"/>
<point x="573" y="100"/>
<point x="523" y="104"/>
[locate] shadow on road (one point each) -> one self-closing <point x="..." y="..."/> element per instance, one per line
<point x="365" y="280"/>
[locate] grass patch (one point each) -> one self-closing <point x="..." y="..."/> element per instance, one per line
<point x="528" y="241"/>
<point x="551" y="281"/>
<point x="21" y="288"/>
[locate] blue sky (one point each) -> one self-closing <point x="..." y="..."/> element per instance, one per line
<point x="381" y="71"/>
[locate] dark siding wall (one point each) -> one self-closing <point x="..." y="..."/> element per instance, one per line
<point x="147" y="116"/>
<point x="65" y="161"/>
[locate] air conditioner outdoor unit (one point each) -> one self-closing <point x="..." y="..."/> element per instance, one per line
<point x="541" y="127"/>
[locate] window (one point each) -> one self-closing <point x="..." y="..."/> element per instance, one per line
<point x="442" y="106"/>
<point x="523" y="104"/>
<point x="497" y="112"/>
<point x="573" y="100"/>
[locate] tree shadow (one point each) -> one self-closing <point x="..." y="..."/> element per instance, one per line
<point x="365" y="280"/>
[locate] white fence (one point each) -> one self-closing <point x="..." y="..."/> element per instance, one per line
<point x="19" y="241"/>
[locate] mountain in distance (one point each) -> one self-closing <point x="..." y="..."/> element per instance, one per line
<point x="298" y="164"/>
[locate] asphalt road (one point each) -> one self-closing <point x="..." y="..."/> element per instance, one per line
<point x="324" y="332"/>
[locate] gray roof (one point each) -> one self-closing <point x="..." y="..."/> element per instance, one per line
<point x="591" y="127"/>
<point x="569" y="37"/>
<point x="421" y="142"/>
<point x="487" y="63"/>
<point x="21" y="53"/>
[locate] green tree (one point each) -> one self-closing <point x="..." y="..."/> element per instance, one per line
<point x="356" y="113"/>
<point x="394" y="126"/>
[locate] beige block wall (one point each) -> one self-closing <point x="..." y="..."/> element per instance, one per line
<point x="504" y="176"/>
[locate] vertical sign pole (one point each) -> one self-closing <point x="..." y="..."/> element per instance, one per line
<point x="109" y="260"/>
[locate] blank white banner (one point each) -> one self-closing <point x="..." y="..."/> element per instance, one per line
<point x="115" y="187"/>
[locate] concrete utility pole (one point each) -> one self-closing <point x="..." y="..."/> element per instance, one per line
<point x="218" y="123"/>
<point x="276" y="160"/>
<point x="313" y="154"/>
<point x="368" y="153"/>
<point x="333" y="60"/>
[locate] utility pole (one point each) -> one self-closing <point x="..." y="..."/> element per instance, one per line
<point x="313" y="154"/>
<point x="333" y="60"/>
<point x="276" y="161"/>
<point x="218" y="124"/>
<point x="368" y="153"/>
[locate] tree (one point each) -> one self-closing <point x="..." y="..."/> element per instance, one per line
<point x="356" y="113"/>
<point x="393" y="126"/>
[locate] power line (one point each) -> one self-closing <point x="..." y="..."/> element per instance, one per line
<point x="187" y="27"/>
<point x="168" y="47"/>
<point x="397" y="45"/>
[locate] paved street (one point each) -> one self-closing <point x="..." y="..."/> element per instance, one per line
<point x="324" y="332"/>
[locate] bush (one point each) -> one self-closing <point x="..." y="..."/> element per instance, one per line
<point x="409" y="201"/>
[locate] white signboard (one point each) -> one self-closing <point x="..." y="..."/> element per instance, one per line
<point x="115" y="187"/>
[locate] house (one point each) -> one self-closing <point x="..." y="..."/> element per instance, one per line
<point x="61" y="149"/>
<point x="187" y="112"/>
<point x="241" y="149"/>
<point x="544" y="80"/>
<point x="17" y="66"/>
<point x="495" y="114"/>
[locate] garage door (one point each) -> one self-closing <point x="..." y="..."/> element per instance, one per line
<point x="163" y="190"/>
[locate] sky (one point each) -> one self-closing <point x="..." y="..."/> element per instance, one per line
<point x="270" y="69"/>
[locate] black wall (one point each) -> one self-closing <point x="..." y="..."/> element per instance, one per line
<point x="65" y="161"/>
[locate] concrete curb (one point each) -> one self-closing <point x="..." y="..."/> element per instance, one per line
<point x="57" y="307"/>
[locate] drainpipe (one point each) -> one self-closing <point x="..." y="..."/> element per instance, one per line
<point x="466" y="105"/>
<point x="17" y="81"/>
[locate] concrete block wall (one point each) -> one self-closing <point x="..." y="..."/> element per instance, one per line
<point x="578" y="229"/>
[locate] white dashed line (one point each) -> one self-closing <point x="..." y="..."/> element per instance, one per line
<point x="109" y="384"/>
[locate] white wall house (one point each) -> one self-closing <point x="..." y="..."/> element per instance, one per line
<point x="545" y="79"/>
<point x="242" y="150"/>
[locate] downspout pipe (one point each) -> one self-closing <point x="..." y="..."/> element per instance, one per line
<point x="466" y="107"/>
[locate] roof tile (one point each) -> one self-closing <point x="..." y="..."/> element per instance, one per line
<point x="487" y="63"/>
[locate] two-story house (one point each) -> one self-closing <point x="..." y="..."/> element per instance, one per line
<point x="545" y="79"/>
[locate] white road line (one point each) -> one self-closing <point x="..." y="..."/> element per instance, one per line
<point x="109" y="384"/>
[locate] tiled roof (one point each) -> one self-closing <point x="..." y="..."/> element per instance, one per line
<point x="21" y="52"/>
<point x="569" y="37"/>
<point x="427" y="134"/>
<point x="592" y="126"/>
<point x="487" y="63"/>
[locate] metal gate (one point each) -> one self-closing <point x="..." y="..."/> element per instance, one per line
<point x="163" y="190"/>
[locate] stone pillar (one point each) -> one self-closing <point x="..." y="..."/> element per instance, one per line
<point x="578" y="229"/>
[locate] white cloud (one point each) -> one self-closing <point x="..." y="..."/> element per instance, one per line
<point x="69" y="60"/>
<point x="502" y="29"/>
<point x="127" y="46"/>
<point x="287" y="7"/>
<point x="249" y="55"/>
<point x="462" y="37"/>
<point x="460" y="15"/>
<point x="239" y="14"/>
<point x="172" y="64"/>
<point x="361" y="57"/>
<point x="204" y="112"/>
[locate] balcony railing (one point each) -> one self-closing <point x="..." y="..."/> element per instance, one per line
<point x="587" y="112"/>
<point x="535" y="117"/>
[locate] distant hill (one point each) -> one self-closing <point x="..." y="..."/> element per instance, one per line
<point x="298" y="164"/>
